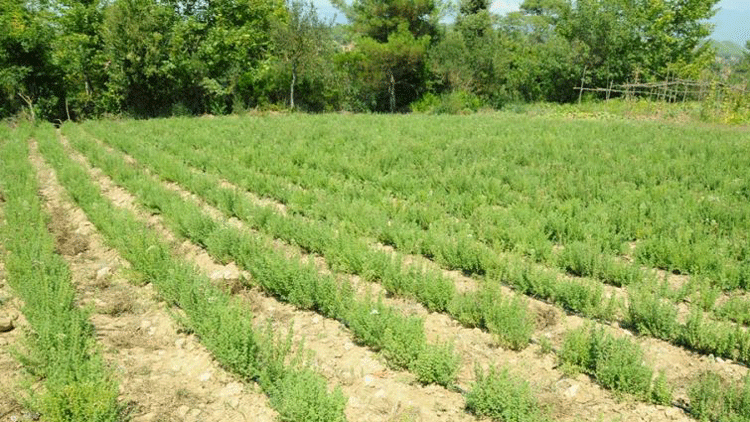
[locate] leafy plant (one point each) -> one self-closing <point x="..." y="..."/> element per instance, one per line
<point x="437" y="364"/>
<point x="615" y="363"/>
<point x="651" y="315"/>
<point x="499" y="396"/>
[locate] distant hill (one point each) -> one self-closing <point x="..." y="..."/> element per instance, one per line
<point x="728" y="49"/>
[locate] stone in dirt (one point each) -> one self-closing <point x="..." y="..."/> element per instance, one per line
<point x="103" y="272"/>
<point x="6" y="324"/>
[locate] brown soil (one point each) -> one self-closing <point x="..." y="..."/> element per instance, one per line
<point x="568" y="398"/>
<point x="375" y="392"/>
<point x="164" y="374"/>
<point x="11" y="394"/>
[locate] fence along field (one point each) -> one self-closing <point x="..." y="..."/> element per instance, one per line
<point x="553" y="208"/>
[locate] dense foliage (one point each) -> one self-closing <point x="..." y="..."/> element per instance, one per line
<point x="81" y="58"/>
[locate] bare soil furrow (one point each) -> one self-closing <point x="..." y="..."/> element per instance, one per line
<point x="375" y="392"/>
<point x="12" y="325"/>
<point x="164" y="374"/>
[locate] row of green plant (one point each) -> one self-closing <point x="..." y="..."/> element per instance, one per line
<point x="446" y="242"/>
<point x="614" y="362"/>
<point x="477" y="300"/>
<point x="336" y="243"/>
<point x="507" y="319"/>
<point x="405" y="221"/>
<point x="650" y="314"/>
<point x="584" y="201"/>
<point x="617" y="363"/>
<point x="584" y="298"/>
<point x="714" y="399"/>
<point x="708" y="337"/>
<point x="578" y="257"/>
<point x="345" y="251"/>
<point x="468" y="309"/>
<point x="59" y="348"/>
<point x="400" y="338"/>
<point x="496" y="395"/>
<point x="539" y="180"/>
<point x="224" y="324"/>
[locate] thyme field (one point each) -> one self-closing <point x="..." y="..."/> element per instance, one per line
<point x="496" y="267"/>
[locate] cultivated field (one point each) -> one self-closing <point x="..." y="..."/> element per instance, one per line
<point x="375" y="268"/>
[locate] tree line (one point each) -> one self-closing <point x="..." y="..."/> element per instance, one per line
<point x="76" y="59"/>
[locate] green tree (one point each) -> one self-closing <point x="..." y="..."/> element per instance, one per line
<point x="623" y="38"/>
<point x="78" y="53"/>
<point x="28" y="78"/>
<point x="301" y="42"/>
<point x="741" y="70"/>
<point x="392" y="40"/>
<point x="466" y="57"/>
<point x="141" y="77"/>
<point x="235" y="48"/>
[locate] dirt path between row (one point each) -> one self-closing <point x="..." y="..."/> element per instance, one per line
<point x="12" y="325"/>
<point x="575" y="398"/>
<point x="375" y="392"/>
<point x="164" y="375"/>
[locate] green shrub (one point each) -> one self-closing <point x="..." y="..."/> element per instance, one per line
<point x="651" y="315"/>
<point x="437" y="364"/>
<point x="619" y="366"/>
<point x="400" y="338"/>
<point x="586" y="298"/>
<point x="302" y="395"/>
<point x="736" y="309"/>
<point x="708" y="399"/>
<point x="467" y="309"/>
<point x="661" y="391"/>
<point x="60" y="349"/>
<point x="510" y="321"/>
<point x="455" y="102"/>
<point x="576" y="350"/>
<point x="501" y="397"/>
<point x="615" y="363"/>
<point x="580" y="259"/>
<point x="705" y="336"/>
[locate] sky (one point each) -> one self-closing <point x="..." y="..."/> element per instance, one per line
<point x="732" y="20"/>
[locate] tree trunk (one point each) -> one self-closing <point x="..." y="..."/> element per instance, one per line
<point x="392" y="90"/>
<point x="30" y="103"/>
<point x="291" y="86"/>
